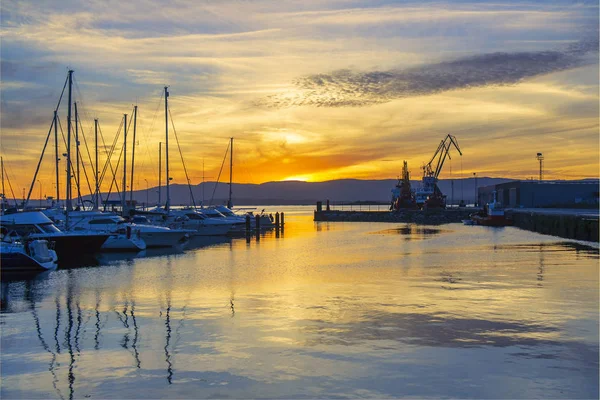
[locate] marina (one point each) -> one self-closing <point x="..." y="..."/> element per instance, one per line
<point x="389" y="310"/>
<point x="299" y="200"/>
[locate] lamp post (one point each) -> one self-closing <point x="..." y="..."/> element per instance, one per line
<point x="540" y="158"/>
<point x="146" y="193"/>
<point x="40" y="192"/>
<point x="476" y="192"/>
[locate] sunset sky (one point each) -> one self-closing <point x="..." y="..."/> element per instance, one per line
<point x="310" y="90"/>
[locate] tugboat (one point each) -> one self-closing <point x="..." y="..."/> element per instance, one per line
<point x="402" y="195"/>
<point x="492" y="215"/>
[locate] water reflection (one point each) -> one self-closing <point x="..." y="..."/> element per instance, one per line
<point x="342" y="313"/>
<point x="432" y="330"/>
<point x="413" y="231"/>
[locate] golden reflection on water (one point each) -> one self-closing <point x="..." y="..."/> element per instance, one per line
<point x="315" y="311"/>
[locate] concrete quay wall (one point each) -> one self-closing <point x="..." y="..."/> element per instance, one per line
<point x="565" y="225"/>
<point x="429" y="217"/>
<point x="568" y="224"/>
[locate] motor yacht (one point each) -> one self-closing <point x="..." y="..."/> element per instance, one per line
<point x="36" y="225"/>
<point x="121" y="238"/>
<point x="26" y="255"/>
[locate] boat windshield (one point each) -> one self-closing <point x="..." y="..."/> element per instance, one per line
<point x="195" y="216"/>
<point x="140" y="220"/>
<point x="49" y="228"/>
<point x="213" y="214"/>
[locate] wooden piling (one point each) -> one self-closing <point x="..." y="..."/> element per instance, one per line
<point x="282" y="221"/>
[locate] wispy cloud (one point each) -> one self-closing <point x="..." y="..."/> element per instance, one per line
<point x="347" y="88"/>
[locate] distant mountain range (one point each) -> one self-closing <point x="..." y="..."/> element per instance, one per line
<point x="304" y="193"/>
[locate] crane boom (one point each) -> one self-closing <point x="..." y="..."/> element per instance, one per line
<point x="440" y="154"/>
<point x="429" y="195"/>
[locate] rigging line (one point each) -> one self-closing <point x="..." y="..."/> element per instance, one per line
<point x="87" y="180"/>
<point x="219" y="177"/>
<point x="81" y="102"/>
<point x="82" y="163"/>
<point x="45" y="145"/>
<point x="114" y="179"/>
<point x="109" y="163"/>
<point x="86" y="147"/>
<point x="9" y="184"/>
<point x="149" y="153"/>
<point x="109" y="153"/>
<point x="70" y="162"/>
<point x="182" y="161"/>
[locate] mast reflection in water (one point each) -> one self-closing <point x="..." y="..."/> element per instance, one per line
<point x="353" y="310"/>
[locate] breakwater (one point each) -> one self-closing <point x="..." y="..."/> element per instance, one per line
<point x="566" y="224"/>
<point x="428" y="217"/>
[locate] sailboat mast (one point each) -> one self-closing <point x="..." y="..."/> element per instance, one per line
<point x="159" y="171"/>
<point x="168" y="203"/>
<point x="123" y="200"/>
<point x="229" y="204"/>
<point x="132" y="155"/>
<point x="2" y="167"/>
<point x="56" y="155"/>
<point x="69" y="204"/>
<point x="96" y="202"/>
<point x="78" y="182"/>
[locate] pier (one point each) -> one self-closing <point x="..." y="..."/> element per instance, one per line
<point x="577" y="224"/>
<point x="427" y="217"/>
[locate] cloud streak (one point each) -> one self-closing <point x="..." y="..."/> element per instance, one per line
<point x="347" y="88"/>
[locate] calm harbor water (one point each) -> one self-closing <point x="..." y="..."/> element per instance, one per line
<point x="322" y="310"/>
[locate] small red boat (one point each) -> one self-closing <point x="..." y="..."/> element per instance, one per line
<point x="492" y="215"/>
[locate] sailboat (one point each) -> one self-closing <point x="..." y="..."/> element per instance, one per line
<point x="190" y="220"/>
<point x="227" y="212"/>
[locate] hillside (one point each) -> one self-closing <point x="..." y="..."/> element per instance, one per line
<point x="296" y="192"/>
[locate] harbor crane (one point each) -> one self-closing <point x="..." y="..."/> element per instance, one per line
<point x="430" y="195"/>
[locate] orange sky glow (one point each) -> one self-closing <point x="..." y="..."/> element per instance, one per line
<point x="312" y="92"/>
